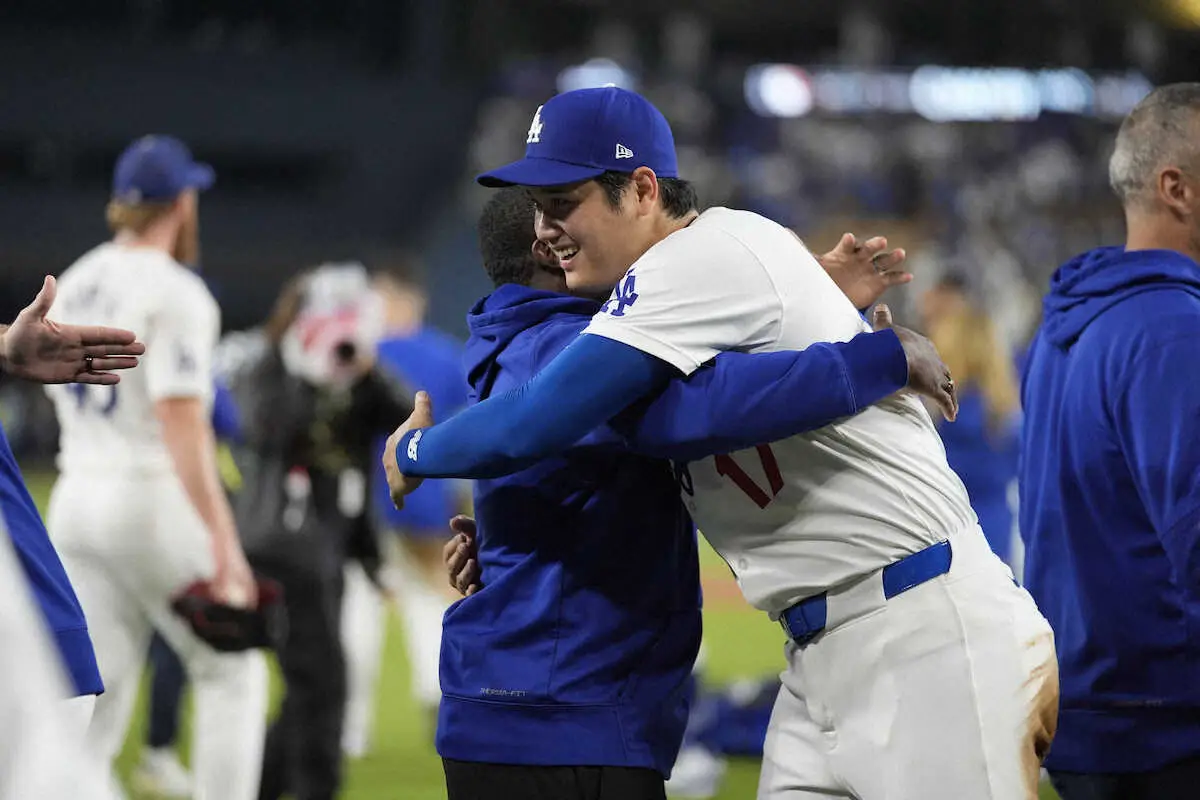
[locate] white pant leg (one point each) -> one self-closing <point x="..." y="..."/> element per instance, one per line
<point x="42" y="739"/>
<point x="230" y="693"/>
<point x="362" y="640"/>
<point x="422" y="608"/>
<point x="120" y="632"/>
<point x="947" y="691"/>
<point x="796" y="757"/>
<point x="154" y="544"/>
<point x="79" y="711"/>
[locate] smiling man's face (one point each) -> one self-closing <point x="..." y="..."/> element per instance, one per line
<point x="595" y="242"/>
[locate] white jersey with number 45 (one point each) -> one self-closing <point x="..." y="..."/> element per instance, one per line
<point x="114" y="428"/>
<point x="800" y="516"/>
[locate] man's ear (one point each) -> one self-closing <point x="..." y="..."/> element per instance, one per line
<point x="645" y="187"/>
<point x="1176" y="191"/>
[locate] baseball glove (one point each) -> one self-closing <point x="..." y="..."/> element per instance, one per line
<point x="231" y="629"/>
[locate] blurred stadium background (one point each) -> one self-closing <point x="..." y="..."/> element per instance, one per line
<point x="973" y="134"/>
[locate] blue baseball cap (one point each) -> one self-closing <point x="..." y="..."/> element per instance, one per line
<point x="581" y="134"/>
<point x="158" y="168"/>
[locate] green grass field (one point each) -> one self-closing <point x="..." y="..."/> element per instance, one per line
<point x="740" y="643"/>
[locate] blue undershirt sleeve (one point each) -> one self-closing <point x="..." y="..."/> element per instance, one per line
<point x="589" y="383"/>
<point x="741" y="400"/>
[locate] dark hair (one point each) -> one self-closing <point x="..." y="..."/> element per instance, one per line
<point x="677" y="195"/>
<point x="506" y="237"/>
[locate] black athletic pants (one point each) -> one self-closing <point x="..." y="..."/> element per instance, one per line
<point x="303" y="754"/>
<point x="469" y="780"/>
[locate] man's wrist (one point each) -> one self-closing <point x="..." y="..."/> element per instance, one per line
<point x="406" y="450"/>
<point x="876" y="366"/>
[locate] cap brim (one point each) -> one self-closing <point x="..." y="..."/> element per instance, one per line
<point x="200" y="176"/>
<point x="537" y="172"/>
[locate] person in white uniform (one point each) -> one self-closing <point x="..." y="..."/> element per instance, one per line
<point x="917" y="668"/>
<point x="138" y="513"/>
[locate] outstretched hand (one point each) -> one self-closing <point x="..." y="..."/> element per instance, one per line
<point x="928" y="375"/>
<point x="39" y="349"/>
<point x="864" y="271"/>
<point x="399" y="484"/>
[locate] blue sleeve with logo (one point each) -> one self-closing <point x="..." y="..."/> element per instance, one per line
<point x="741" y="402"/>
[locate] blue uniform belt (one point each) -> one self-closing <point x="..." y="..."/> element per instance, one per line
<point x="803" y="621"/>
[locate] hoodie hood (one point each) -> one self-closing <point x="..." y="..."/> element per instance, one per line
<point x="504" y="314"/>
<point x="1090" y="284"/>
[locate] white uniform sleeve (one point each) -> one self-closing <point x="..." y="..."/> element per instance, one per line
<point x="693" y="295"/>
<point x="179" y="352"/>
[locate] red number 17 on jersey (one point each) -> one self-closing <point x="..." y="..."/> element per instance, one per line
<point x="728" y="468"/>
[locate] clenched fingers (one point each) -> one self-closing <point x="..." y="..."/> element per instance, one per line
<point x="463" y="524"/>
<point x="467" y="580"/>
<point x="448" y="551"/>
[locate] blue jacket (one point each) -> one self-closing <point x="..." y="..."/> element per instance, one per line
<point x="578" y="649"/>
<point x="430" y="361"/>
<point x="47" y="578"/>
<point x="1110" y="505"/>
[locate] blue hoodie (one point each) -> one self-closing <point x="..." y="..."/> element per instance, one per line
<point x="578" y="649"/>
<point x="1110" y="505"/>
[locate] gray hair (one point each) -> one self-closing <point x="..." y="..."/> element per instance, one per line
<point x="1160" y="131"/>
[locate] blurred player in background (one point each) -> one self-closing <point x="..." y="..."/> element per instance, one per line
<point x="917" y="668"/>
<point x="423" y="358"/>
<point x="138" y="511"/>
<point x="981" y="445"/>
<point x="159" y="770"/>
<point x="312" y="403"/>
<point x="42" y="746"/>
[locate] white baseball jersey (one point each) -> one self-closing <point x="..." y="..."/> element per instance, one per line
<point x="114" y="428"/>
<point x="796" y="517"/>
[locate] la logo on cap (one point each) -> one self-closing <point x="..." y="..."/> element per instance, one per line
<point x="535" y="129"/>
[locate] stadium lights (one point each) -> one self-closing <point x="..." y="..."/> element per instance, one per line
<point x="941" y="94"/>
<point x="778" y="90"/>
<point x="594" y="73"/>
<point x="945" y="94"/>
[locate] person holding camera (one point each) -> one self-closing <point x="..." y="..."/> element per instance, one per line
<point x="311" y="403"/>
